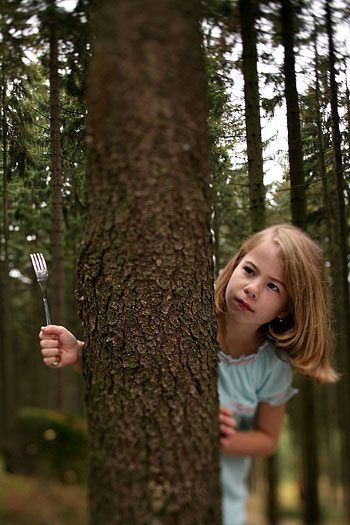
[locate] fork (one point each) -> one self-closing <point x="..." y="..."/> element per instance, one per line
<point x="42" y="276"/>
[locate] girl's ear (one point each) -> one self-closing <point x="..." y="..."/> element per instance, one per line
<point x="282" y="315"/>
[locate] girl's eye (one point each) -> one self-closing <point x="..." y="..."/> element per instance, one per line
<point x="273" y="287"/>
<point x="249" y="270"/>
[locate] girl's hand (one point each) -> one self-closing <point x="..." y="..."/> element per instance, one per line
<point x="260" y="441"/>
<point x="59" y="346"/>
<point x="227" y="425"/>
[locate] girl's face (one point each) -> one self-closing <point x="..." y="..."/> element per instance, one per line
<point x="256" y="293"/>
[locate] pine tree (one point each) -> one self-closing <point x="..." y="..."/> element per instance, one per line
<point x="145" y="273"/>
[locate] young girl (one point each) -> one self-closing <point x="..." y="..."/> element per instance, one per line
<point x="271" y="303"/>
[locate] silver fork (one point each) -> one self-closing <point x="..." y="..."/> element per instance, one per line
<point x="42" y="276"/>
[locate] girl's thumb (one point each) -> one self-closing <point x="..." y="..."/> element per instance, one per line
<point x="47" y="329"/>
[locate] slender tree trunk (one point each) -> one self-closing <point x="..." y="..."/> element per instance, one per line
<point x="321" y="150"/>
<point x="309" y="444"/>
<point x="272" y="511"/>
<point x="309" y="453"/>
<point x="8" y="408"/>
<point x="339" y="266"/>
<point x="347" y="94"/>
<point x="57" y="281"/>
<point x="145" y="272"/>
<point x="216" y="229"/>
<point x="296" y="167"/>
<point x="248" y="12"/>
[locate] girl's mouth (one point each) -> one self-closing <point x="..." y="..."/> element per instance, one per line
<point x="244" y="305"/>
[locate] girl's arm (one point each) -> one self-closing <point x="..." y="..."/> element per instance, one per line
<point x="258" y="442"/>
<point x="58" y="344"/>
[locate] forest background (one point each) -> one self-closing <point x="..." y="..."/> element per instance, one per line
<point x="296" y="53"/>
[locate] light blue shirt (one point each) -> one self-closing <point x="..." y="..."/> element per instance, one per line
<point x="243" y="383"/>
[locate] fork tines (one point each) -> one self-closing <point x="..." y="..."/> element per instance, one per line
<point x="38" y="262"/>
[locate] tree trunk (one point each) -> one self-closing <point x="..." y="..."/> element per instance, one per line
<point x="57" y="282"/>
<point x="347" y="95"/>
<point x="309" y="445"/>
<point x="8" y="405"/>
<point x="339" y="266"/>
<point x="321" y="149"/>
<point x="272" y="510"/>
<point x="248" y="12"/>
<point x="145" y="272"/>
<point x="293" y="119"/>
<point x="309" y="453"/>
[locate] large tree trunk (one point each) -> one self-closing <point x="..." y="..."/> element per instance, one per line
<point x="145" y="273"/>
<point x="296" y="167"/>
<point x="339" y="265"/>
<point x="248" y="12"/>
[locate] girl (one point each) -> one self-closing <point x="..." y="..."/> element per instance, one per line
<point x="271" y="304"/>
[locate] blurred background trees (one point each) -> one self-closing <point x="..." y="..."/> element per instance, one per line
<point x="308" y="481"/>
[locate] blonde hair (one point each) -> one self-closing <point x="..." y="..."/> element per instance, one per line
<point x="304" y="333"/>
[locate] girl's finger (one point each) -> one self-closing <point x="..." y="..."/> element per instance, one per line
<point x="49" y="361"/>
<point x="226" y="411"/>
<point x="228" y="420"/>
<point x="50" y="352"/>
<point x="47" y="337"/>
<point x="46" y="343"/>
<point x="223" y="443"/>
<point x="226" y="430"/>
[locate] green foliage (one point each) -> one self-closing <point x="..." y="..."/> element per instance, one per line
<point x="226" y="129"/>
<point x="27" y="131"/>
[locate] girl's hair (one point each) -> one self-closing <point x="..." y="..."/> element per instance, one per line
<point x="305" y="332"/>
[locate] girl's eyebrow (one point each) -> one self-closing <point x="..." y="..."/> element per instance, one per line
<point x="270" y="278"/>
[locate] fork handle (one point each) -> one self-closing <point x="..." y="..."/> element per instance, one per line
<point x="47" y="311"/>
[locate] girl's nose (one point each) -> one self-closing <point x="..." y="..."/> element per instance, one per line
<point x="250" y="291"/>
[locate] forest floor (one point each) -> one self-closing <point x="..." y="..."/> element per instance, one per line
<point x="33" y="501"/>
<point x="25" y="500"/>
<point x="290" y="512"/>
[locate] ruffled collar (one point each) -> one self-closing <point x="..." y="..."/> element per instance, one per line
<point x="244" y="359"/>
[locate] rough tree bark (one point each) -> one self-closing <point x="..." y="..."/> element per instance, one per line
<point x="145" y="272"/>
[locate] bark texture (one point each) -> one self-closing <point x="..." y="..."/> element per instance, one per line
<point x="145" y="273"/>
